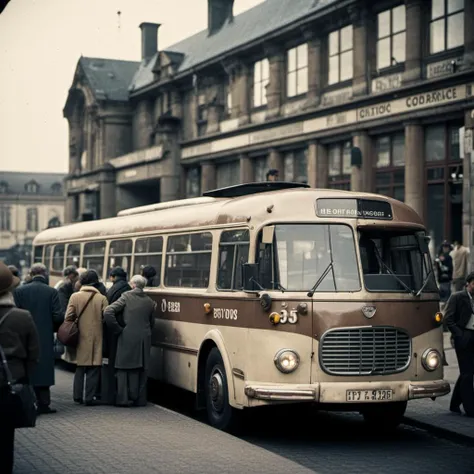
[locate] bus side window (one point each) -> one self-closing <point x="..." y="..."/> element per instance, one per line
<point x="149" y="251"/>
<point x="38" y="255"/>
<point x="233" y="252"/>
<point x="93" y="258"/>
<point x="58" y="258"/>
<point x="47" y="257"/>
<point x="73" y="255"/>
<point x="120" y="254"/>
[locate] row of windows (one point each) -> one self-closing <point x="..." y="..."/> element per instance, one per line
<point x="31" y="187"/>
<point x="31" y="219"/>
<point x="187" y="259"/>
<point x="446" y="32"/>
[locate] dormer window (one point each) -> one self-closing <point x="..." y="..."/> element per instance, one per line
<point x="56" y="188"/>
<point x="31" y="187"/>
<point x="3" y="187"/>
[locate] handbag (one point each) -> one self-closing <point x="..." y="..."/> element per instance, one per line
<point x="68" y="332"/>
<point x="20" y="397"/>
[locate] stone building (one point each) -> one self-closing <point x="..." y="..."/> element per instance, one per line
<point x="29" y="203"/>
<point x="293" y="85"/>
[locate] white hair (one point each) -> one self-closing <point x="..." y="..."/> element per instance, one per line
<point x="138" y="281"/>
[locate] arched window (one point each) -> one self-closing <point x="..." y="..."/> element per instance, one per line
<point x="54" y="222"/>
<point x="31" y="187"/>
<point x="56" y="188"/>
<point x="32" y="219"/>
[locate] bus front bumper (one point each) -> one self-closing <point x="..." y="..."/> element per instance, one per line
<point x="347" y="392"/>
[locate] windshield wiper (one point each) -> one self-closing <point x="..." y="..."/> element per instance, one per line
<point x="427" y="279"/>
<point x="320" y="279"/>
<point x="391" y="272"/>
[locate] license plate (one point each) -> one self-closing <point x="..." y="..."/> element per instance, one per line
<point x="368" y="395"/>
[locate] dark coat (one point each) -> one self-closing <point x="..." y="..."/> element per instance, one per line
<point x="120" y="286"/>
<point x="20" y="342"/>
<point x="65" y="292"/>
<point x="134" y="341"/>
<point x="42" y="302"/>
<point x="458" y="312"/>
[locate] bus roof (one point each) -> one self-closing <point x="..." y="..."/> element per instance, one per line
<point x="297" y="204"/>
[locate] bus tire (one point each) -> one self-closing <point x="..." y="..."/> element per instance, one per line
<point x="385" y="416"/>
<point x="219" y="412"/>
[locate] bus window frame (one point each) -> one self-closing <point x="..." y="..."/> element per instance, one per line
<point x="162" y="254"/>
<point x="48" y="247"/>
<point x="105" y="255"/>
<point x="42" y="254"/>
<point x="108" y="245"/>
<point x="81" y="246"/>
<point x="52" y="257"/>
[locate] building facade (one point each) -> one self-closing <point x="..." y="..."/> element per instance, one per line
<point x="294" y="85"/>
<point x="29" y="203"/>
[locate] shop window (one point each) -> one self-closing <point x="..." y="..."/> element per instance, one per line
<point x="261" y="77"/>
<point x="260" y="168"/>
<point x="391" y="37"/>
<point x="339" y="157"/>
<point x="390" y="162"/>
<point x="93" y="258"/>
<point x="297" y="71"/>
<point x="233" y="252"/>
<point x="149" y="251"/>
<point x="193" y="182"/>
<point x="340" y="55"/>
<point x="296" y="166"/>
<point x="58" y="258"/>
<point x="188" y="260"/>
<point x="228" y="174"/>
<point x="5" y="218"/>
<point x="435" y="137"/>
<point x="73" y="255"/>
<point x="447" y="25"/>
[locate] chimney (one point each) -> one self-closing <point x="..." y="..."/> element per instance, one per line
<point x="149" y="40"/>
<point x="218" y="12"/>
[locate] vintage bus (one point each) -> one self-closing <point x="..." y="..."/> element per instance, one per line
<point x="272" y="293"/>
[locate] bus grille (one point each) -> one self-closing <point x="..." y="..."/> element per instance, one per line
<point x="365" y="351"/>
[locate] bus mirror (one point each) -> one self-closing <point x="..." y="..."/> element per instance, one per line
<point x="249" y="276"/>
<point x="423" y="242"/>
<point x="267" y="235"/>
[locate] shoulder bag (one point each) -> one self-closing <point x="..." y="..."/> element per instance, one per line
<point x="21" y="399"/>
<point x="68" y="332"/>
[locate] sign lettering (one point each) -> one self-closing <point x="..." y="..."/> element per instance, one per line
<point x="354" y="209"/>
<point x="224" y="313"/>
<point x="170" y="306"/>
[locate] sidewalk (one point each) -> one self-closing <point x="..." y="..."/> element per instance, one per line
<point x="81" y="440"/>
<point x="435" y="415"/>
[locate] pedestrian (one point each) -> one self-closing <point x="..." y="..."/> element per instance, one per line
<point x="20" y="343"/>
<point x="459" y="317"/>
<point x="272" y="175"/>
<point x="134" y="341"/>
<point x="66" y="290"/>
<point x="460" y="256"/>
<point x="42" y="302"/>
<point x="86" y="306"/>
<point x="149" y="273"/>
<point x="444" y="267"/>
<point x="99" y="285"/>
<point x="118" y="276"/>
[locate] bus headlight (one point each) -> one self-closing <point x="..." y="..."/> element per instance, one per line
<point x="287" y="360"/>
<point x="431" y="359"/>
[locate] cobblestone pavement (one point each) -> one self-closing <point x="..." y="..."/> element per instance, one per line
<point x="82" y="440"/>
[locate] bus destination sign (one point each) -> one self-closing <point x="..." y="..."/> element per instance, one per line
<point x="354" y="208"/>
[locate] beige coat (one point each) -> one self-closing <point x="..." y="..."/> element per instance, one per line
<point x="89" y="349"/>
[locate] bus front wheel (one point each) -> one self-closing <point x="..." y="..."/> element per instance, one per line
<point x="385" y="416"/>
<point x="219" y="412"/>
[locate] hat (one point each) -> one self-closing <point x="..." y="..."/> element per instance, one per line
<point x="7" y="279"/>
<point x="118" y="272"/>
<point x="148" y="271"/>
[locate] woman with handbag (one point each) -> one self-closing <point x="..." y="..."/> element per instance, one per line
<point x="86" y="308"/>
<point x="19" y="344"/>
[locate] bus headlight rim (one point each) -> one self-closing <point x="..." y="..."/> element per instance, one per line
<point x="287" y="360"/>
<point x="429" y="355"/>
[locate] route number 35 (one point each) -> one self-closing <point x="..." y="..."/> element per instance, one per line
<point x="288" y="316"/>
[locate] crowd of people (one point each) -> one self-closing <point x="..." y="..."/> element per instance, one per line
<point x="114" y="341"/>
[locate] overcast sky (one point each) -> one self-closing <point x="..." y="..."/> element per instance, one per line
<point x="40" y="44"/>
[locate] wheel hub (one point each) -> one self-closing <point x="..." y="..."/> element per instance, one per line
<point x="216" y="384"/>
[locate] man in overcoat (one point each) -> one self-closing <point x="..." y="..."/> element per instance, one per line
<point x="459" y="317"/>
<point x="134" y="341"/>
<point x="42" y="302"/>
<point x="66" y="290"/>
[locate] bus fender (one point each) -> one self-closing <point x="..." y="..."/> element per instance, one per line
<point x="215" y="336"/>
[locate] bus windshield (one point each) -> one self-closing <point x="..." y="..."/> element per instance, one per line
<point x="392" y="261"/>
<point x="302" y="255"/>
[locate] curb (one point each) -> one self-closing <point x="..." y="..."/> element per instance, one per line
<point x="440" y="432"/>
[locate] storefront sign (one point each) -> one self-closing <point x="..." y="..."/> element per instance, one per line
<point x="443" y="68"/>
<point x="386" y="83"/>
<point x="354" y="208"/>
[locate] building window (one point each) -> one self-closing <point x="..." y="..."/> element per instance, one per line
<point x="31" y="187"/>
<point x="260" y="168"/>
<point x="5" y="214"/>
<point x="32" y="220"/>
<point x="261" y="75"/>
<point x="444" y="177"/>
<point x="228" y="174"/>
<point x="296" y="166"/>
<point x="447" y="25"/>
<point x="188" y="260"/>
<point x="56" y="188"/>
<point x="339" y="157"/>
<point x="297" y="76"/>
<point x="233" y="252"/>
<point x="390" y="162"/>
<point x="340" y="55"/>
<point x="228" y="97"/>
<point x="3" y="187"/>
<point x="193" y="182"/>
<point x="391" y="36"/>
<point x="202" y="115"/>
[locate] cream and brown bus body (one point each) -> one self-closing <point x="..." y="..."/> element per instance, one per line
<point x="301" y="330"/>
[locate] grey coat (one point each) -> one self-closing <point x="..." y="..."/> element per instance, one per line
<point x="134" y="341"/>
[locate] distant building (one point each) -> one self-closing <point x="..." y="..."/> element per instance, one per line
<point x="292" y="85"/>
<point x="29" y="203"/>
